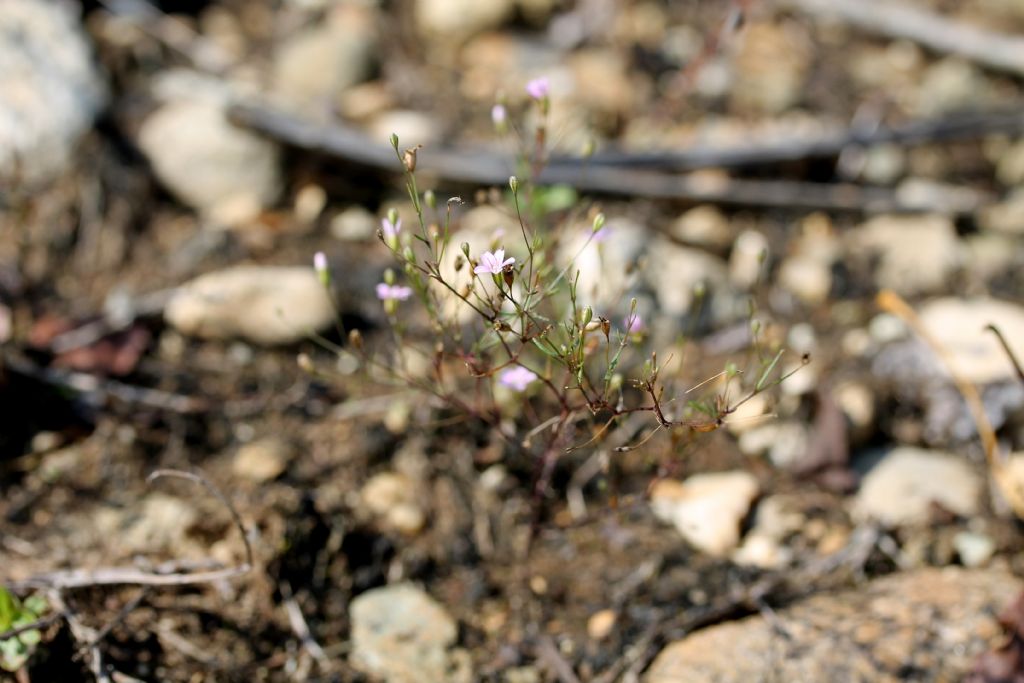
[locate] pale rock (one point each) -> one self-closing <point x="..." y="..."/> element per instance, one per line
<point x="749" y="415"/>
<point x="600" y="624"/>
<point x="704" y="226"/>
<point x="208" y="163"/>
<point x="883" y="164"/>
<point x="801" y="378"/>
<point x="392" y="498"/>
<point x="706" y="508"/>
<point x="412" y="128"/>
<point x="604" y="81"/>
<point x="309" y="203"/>
<point x="904" y="484"/>
<point x="456" y="20"/>
<point x="746" y="263"/>
<point x="263" y="460"/>
<point x="759" y="550"/>
<point x="990" y="255"/>
<point x="316" y="65"/>
<point x="50" y="88"/>
<point x="607" y="271"/>
<point x="886" y="327"/>
<point x="676" y="274"/>
<point x="266" y="305"/>
<point x="1006" y="216"/>
<point x="916" y="254"/>
<point x="802" y="338"/>
<point x="857" y="402"/>
<point x="807" y="279"/>
<point x="973" y="548"/>
<point x="771" y="66"/>
<point x="354" y="224"/>
<point x="958" y="325"/>
<point x="937" y="621"/>
<point x="950" y="84"/>
<point x="402" y="635"/>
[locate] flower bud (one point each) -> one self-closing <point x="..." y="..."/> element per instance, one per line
<point x="513" y="183"/>
<point x="588" y="315"/>
<point x="465" y="249"/>
<point x="460" y="261"/>
<point x="389" y="277"/>
<point x="393" y="215"/>
<point x="409" y="159"/>
<point x="322" y="270"/>
<point x="355" y="338"/>
<point x="408" y="254"/>
<point x="394" y="141"/>
<point x="430" y="199"/>
<point x="598" y="222"/>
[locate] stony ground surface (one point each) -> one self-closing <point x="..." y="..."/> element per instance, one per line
<point x="157" y="300"/>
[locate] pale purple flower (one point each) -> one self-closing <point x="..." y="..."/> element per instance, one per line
<point x="517" y="378"/>
<point x="602" y="235"/>
<point x="390" y="229"/>
<point x="493" y="263"/>
<point x="386" y="292"/>
<point x="633" y="323"/>
<point x="320" y="262"/>
<point x="499" y="115"/>
<point x="538" y="88"/>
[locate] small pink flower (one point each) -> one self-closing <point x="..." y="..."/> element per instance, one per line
<point x="493" y="263"/>
<point x="386" y="292"/>
<point x="538" y="88"/>
<point x="602" y="235"/>
<point x="633" y="323"/>
<point x="390" y="229"/>
<point x="517" y="378"/>
<point x="499" y="115"/>
<point x="320" y="262"/>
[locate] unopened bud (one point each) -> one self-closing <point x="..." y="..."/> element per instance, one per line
<point x="465" y="249"/>
<point x="389" y="277"/>
<point x="355" y="338"/>
<point x="394" y="141"/>
<point x="513" y="183"/>
<point x="460" y="261"/>
<point x="321" y="268"/>
<point x="588" y="315"/>
<point x="430" y="199"/>
<point x="409" y="159"/>
<point x="393" y="215"/>
<point x="598" y="222"/>
<point x="408" y="254"/>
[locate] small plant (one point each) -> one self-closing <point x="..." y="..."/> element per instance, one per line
<point x="509" y="340"/>
<point x="14" y="615"/>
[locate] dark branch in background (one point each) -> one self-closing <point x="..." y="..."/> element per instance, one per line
<point x="611" y="173"/>
<point x="900" y="20"/>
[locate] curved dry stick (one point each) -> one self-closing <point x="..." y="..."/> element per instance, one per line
<point x="107" y="576"/>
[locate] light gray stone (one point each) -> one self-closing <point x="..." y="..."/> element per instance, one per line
<point x="262" y="304"/>
<point x="916" y="254"/>
<point x="314" y="66"/>
<point x="706" y="508"/>
<point x="50" y="88"/>
<point x="224" y="172"/>
<point x="904" y="484"/>
<point x="402" y="635"/>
